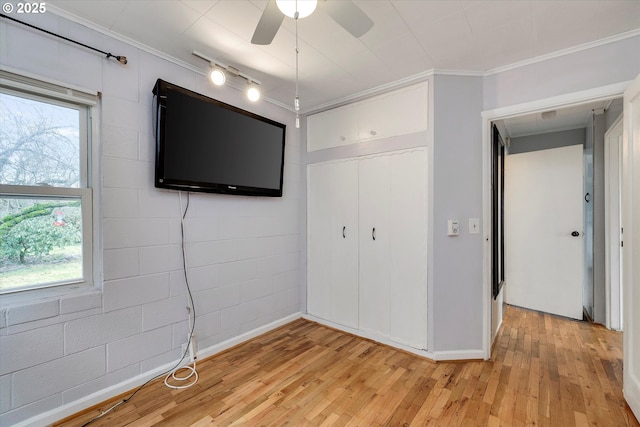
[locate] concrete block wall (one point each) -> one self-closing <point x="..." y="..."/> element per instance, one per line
<point x="243" y="253"/>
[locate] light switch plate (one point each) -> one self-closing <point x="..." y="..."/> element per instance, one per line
<point x="474" y="225"/>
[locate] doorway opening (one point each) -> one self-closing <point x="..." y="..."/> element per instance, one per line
<point x="548" y="125"/>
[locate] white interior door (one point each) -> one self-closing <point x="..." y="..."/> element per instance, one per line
<point x="631" y="250"/>
<point x="613" y="224"/>
<point x="543" y="207"/>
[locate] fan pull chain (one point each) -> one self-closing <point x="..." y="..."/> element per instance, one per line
<point x="296" y="102"/>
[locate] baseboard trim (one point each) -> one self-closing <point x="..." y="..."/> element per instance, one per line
<point x="435" y="356"/>
<point x="96" y="398"/>
<point x="232" y="342"/>
<point x="631" y="392"/>
<point x="459" y="355"/>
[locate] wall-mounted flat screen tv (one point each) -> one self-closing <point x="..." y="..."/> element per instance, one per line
<point x="203" y="144"/>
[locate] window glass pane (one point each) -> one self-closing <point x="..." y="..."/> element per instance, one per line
<point x="40" y="242"/>
<point x="39" y="143"/>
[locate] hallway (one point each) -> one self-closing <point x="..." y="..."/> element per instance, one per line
<point x="558" y="372"/>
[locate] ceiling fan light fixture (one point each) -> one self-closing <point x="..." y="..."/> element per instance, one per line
<point x="303" y="8"/>
<point x="217" y="76"/>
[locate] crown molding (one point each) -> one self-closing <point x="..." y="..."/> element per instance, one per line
<point x="367" y="93"/>
<point x="388" y="87"/>
<point x="564" y="52"/>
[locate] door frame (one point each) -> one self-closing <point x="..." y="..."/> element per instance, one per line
<point x="613" y="208"/>
<point x="488" y="117"/>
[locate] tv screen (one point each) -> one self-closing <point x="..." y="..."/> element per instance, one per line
<point x="203" y="144"/>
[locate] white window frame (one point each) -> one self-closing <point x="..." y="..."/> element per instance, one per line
<point x="87" y="103"/>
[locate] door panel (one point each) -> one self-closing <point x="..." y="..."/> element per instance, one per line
<point x="613" y="224"/>
<point x="374" y="244"/>
<point x="631" y="250"/>
<point x="408" y="248"/>
<point x="393" y="266"/>
<point x="543" y="206"/>
<point x="332" y="242"/>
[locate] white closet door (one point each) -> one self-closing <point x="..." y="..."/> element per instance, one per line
<point x="332" y="128"/>
<point x="374" y="120"/>
<point x="332" y="242"/>
<point x="393" y="246"/>
<point x="374" y="245"/>
<point x="408" y="248"/>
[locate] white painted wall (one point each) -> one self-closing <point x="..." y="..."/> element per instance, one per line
<point x="456" y="289"/>
<point x="244" y="252"/>
<point x="583" y="70"/>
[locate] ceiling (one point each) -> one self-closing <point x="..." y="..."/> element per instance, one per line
<point x="567" y="118"/>
<point x="409" y="37"/>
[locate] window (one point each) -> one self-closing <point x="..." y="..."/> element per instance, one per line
<point x="46" y="199"/>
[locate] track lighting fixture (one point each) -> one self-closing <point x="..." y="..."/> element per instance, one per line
<point x="218" y="76"/>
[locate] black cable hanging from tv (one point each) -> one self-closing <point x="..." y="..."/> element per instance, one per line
<point x="120" y="58"/>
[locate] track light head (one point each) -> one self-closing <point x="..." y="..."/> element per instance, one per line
<point x="217" y="76"/>
<point x="253" y="93"/>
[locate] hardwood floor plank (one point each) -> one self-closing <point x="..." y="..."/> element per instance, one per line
<point x="545" y="371"/>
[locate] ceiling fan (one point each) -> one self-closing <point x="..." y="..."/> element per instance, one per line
<point x="344" y="12"/>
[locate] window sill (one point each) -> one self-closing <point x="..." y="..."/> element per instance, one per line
<point x="40" y="304"/>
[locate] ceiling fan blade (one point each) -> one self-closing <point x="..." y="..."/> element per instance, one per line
<point x="348" y="15"/>
<point x="268" y="25"/>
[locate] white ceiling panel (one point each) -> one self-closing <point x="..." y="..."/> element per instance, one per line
<point x="483" y="15"/>
<point x="411" y="59"/>
<point x="238" y="17"/>
<point x="409" y="37"/>
<point x="162" y="27"/>
<point x="104" y="16"/>
<point x="505" y="44"/>
<point x="417" y="14"/>
<point x="208" y="37"/>
<point x="201" y="6"/>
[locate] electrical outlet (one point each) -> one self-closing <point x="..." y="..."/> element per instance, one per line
<point x="453" y="227"/>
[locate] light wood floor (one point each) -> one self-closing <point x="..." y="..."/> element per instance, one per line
<point x="545" y="371"/>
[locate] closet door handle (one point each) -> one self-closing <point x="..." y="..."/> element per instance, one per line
<point x="344" y="236"/>
<point x="373" y="233"/>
